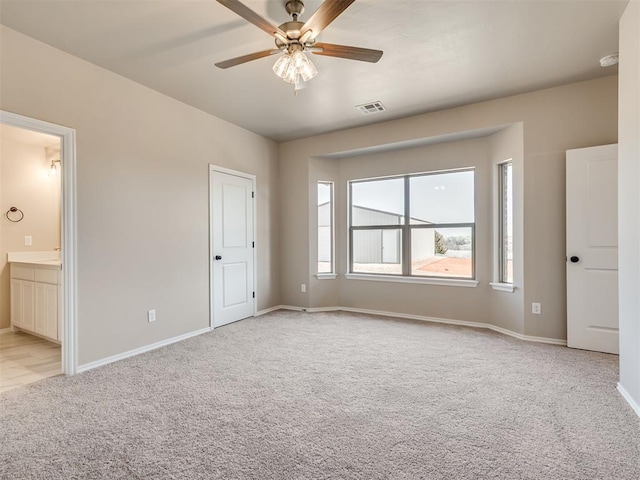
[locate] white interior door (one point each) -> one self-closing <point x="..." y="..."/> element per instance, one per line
<point x="592" y="248"/>
<point x="232" y="247"/>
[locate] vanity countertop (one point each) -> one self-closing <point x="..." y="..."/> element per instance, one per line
<point x="46" y="259"/>
<point x="46" y="263"/>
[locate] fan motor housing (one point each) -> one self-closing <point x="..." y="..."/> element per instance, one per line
<point x="292" y="29"/>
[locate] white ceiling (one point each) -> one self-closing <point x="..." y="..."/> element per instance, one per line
<point x="438" y="54"/>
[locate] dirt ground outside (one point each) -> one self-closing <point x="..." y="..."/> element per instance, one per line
<point x="444" y="267"/>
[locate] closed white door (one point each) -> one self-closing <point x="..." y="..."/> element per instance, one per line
<point x="232" y="247"/>
<point x="592" y="248"/>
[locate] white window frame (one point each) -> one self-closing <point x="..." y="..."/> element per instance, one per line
<point x="502" y="283"/>
<point x="332" y="225"/>
<point x="406" y="276"/>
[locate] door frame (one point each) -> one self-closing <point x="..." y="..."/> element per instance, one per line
<point x="68" y="230"/>
<point x="248" y="176"/>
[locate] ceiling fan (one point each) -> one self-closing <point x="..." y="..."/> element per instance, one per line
<point x="294" y="38"/>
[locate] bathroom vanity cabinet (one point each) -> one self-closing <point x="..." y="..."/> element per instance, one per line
<point x="35" y="299"/>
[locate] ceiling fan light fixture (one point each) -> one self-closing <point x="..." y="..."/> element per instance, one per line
<point x="292" y="75"/>
<point x="290" y="67"/>
<point x="610" y="60"/>
<point x="304" y="66"/>
<point x="282" y="65"/>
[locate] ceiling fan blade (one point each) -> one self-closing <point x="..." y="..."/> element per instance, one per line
<point x="246" y="58"/>
<point x="326" y="13"/>
<point x="343" y="51"/>
<point x="251" y="16"/>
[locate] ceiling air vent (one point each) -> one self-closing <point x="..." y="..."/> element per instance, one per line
<point x="373" y="107"/>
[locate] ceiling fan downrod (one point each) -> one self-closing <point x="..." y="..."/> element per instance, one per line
<point x="295" y="8"/>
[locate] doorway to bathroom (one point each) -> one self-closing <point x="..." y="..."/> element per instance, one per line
<point x="37" y="251"/>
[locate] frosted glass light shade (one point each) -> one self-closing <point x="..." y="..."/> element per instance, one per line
<point x="292" y="67"/>
<point x="305" y="67"/>
<point x="282" y="65"/>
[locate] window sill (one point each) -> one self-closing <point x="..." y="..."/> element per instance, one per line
<point x="447" y="282"/>
<point x="326" y="276"/>
<point x="503" y="287"/>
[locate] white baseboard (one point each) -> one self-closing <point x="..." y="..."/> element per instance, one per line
<point x="309" y="309"/>
<point x="138" y="351"/>
<point x="520" y="336"/>
<point x="290" y="307"/>
<point x="327" y="309"/>
<point x="629" y="399"/>
<point x="268" y="310"/>
<point x="527" y="338"/>
<point x="153" y="346"/>
<point x="5" y="330"/>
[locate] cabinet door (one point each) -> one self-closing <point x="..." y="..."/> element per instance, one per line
<point x="46" y="310"/>
<point x="41" y="309"/>
<point x="28" y="303"/>
<point x="17" y="312"/>
<point x="52" y="311"/>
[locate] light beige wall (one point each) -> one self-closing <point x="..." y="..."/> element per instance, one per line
<point x="294" y="216"/>
<point x="629" y="201"/>
<point x="142" y="195"/>
<point x="25" y="183"/>
<point x="554" y="120"/>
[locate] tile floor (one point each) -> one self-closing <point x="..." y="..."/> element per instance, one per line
<point x="26" y="359"/>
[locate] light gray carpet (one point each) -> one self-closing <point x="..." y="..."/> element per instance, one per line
<point x="329" y="396"/>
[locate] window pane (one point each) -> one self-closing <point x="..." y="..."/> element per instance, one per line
<point x="442" y="252"/>
<point x="377" y="251"/>
<point x="377" y="202"/>
<point x="506" y="227"/>
<point x="325" y="227"/>
<point x="442" y="198"/>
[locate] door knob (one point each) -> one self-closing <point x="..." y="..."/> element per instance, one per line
<point x="218" y="257"/>
<point x="574" y="259"/>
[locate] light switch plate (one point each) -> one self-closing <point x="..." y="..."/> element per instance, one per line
<point x="151" y="315"/>
<point x="28" y="240"/>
